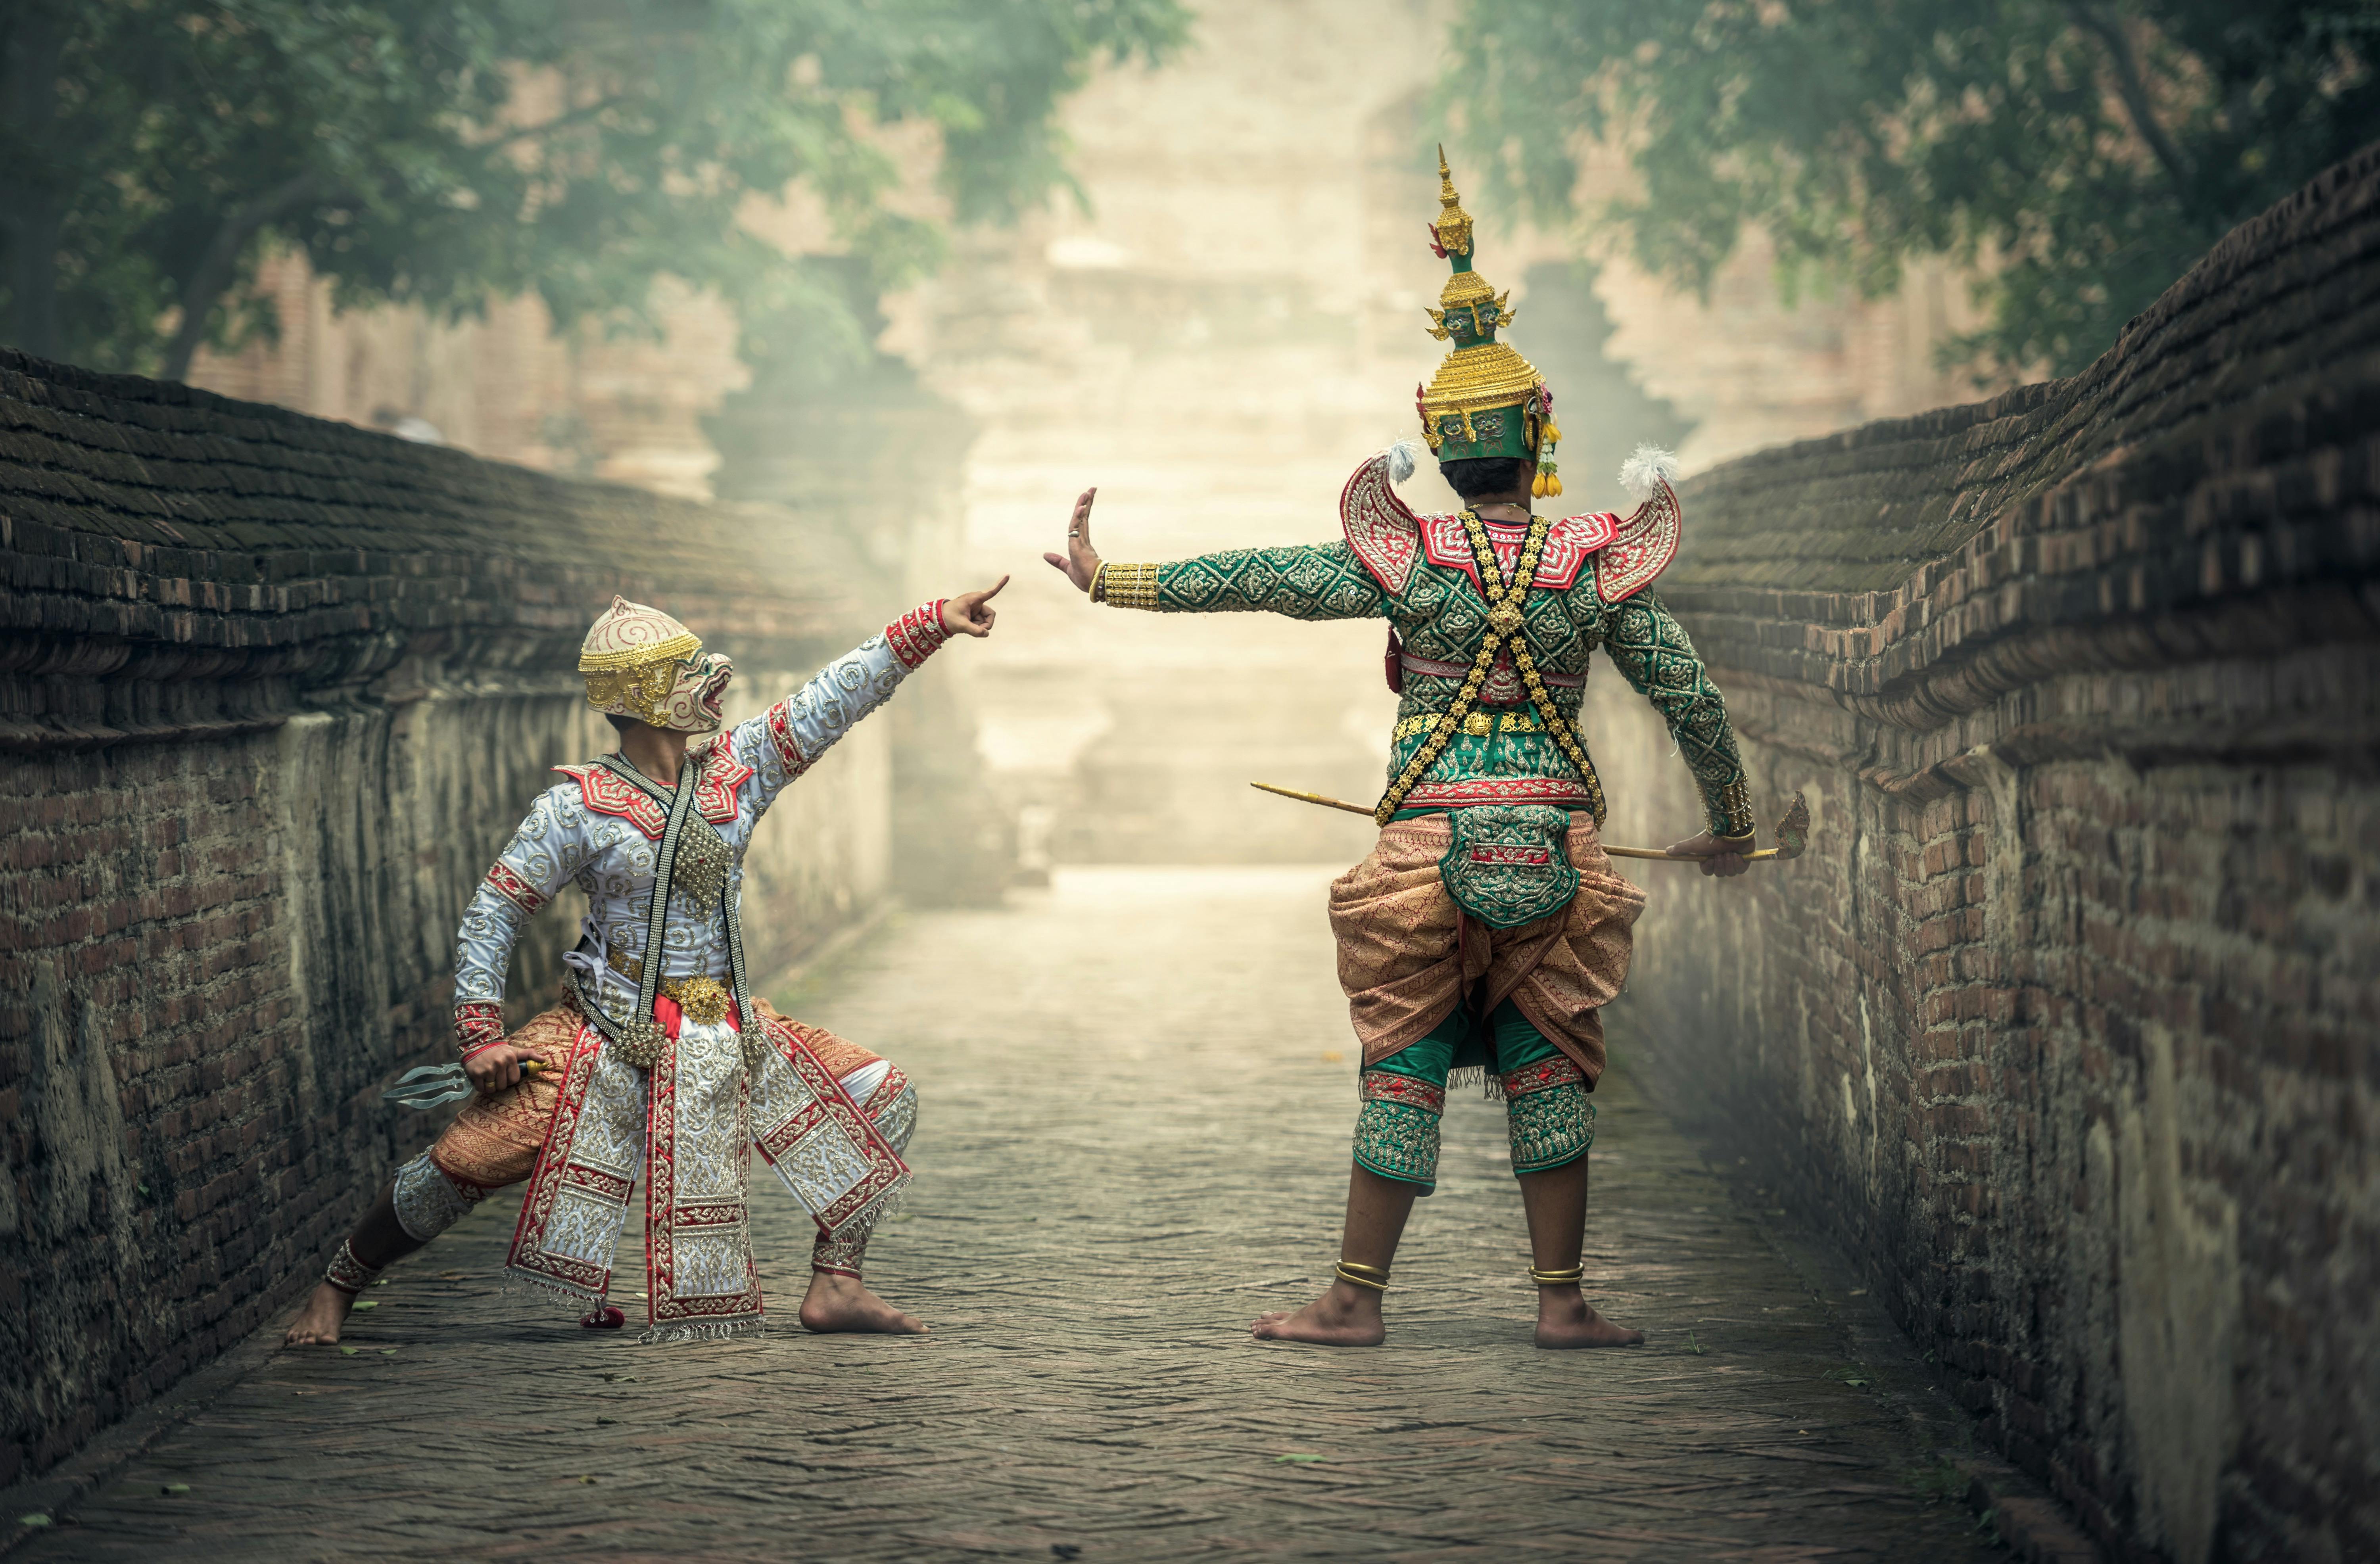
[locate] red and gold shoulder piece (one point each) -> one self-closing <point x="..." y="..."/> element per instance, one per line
<point x="1379" y="528"/>
<point x="1644" y="543"/>
<point x="604" y="793"/>
<point x="722" y="777"/>
<point x="1569" y="541"/>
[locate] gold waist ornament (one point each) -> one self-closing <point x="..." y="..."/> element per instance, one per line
<point x="704" y="999"/>
<point x="1478" y="725"/>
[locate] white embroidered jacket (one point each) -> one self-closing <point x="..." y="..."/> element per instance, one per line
<point x="603" y="833"/>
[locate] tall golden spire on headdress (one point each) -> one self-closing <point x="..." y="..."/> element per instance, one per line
<point x="1452" y="229"/>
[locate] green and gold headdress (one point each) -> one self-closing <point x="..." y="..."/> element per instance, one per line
<point x="1486" y="400"/>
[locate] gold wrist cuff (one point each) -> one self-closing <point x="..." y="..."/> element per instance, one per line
<point x="1734" y="804"/>
<point x="1124" y="586"/>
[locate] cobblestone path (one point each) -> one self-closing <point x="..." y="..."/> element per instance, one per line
<point x="1137" y="1111"/>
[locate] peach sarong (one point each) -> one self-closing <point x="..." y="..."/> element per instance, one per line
<point x="1408" y="954"/>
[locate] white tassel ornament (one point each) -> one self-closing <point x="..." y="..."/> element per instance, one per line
<point x="1647" y="468"/>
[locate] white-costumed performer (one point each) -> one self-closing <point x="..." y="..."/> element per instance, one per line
<point x="660" y="1066"/>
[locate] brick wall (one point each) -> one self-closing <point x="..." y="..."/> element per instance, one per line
<point x="2069" y="1025"/>
<point x="272" y="692"/>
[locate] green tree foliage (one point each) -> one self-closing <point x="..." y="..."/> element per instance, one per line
<point x="153" y="151"/>
<point x="2087" y="151"/>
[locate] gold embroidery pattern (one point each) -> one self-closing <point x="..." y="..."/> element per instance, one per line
<point x="1125" y="586"/>
<point x="704" y="863"/>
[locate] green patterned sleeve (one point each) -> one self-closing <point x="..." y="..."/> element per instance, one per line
<point x="1654" y="654"/>
<point x="1302" y="581"/>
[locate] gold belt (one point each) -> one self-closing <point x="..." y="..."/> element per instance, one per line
<point x="1479" y="725"/>
<point x="704" y="999"/>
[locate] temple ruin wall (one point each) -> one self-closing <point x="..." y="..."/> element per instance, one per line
<point x="2066" y="1028"/>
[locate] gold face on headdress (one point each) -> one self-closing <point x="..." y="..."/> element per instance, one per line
<point x="639" y="662"/>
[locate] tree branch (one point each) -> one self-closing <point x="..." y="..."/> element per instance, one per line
<point x="213" y="277"/>
<point x="2134" y="92"/>
<point x="577" y="115"/>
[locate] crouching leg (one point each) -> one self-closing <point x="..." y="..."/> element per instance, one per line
<point x="838" y="1298"/>
<point x="493" y="1143"/>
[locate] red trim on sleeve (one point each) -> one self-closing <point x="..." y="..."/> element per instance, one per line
<point x="918" y="633"/>
<point x="781" y="733"/>
<point x="513" y="888"/>
<point x="478" y="1025"/>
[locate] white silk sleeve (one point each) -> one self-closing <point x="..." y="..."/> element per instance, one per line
<point x="552" y="844"/>
<point x="787" y="739"/>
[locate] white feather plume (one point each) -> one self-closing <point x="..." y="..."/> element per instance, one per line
<point x="1647" y="468"/>
<point x="1403" y="457"/>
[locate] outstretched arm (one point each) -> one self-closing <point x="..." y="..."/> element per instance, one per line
<point x="1301" y="581"/>
<point x="787" y="739"/>
<point x="1654" y="653"/>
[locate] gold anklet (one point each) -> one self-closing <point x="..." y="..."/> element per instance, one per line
<point x="1373" y="1277"/>
<point x="1570" y="1278"/>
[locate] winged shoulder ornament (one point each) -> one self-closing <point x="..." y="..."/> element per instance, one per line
<point x="1646" y="542"/>
<point x="1385" y="535"/>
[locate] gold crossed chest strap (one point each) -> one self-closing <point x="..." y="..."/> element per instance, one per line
<point x="1504" y="629"/>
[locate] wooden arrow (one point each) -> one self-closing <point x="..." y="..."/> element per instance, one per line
<point x="1792" y="831"/>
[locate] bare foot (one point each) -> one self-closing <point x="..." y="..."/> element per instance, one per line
<point x="317" y="1323"/>
<point x="840" y="1303"/>
<point x="1343" y="1317"/>
<point x="1565" y="1319"/>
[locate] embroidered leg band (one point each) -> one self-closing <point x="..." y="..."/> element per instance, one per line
<point x="1551" y="1120"/>
<point x="1396" y="1134"/>
<point x="428" y="1202"/>
<point x="840" y="1256"/>
<point x="346" y="1273"/>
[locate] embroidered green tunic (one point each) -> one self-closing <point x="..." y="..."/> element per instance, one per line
<point x="1419" y="573"/>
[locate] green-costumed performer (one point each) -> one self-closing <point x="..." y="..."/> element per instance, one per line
<point x="1486" y="929"/>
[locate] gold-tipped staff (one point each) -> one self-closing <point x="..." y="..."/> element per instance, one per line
<point x="1792" y="831"/>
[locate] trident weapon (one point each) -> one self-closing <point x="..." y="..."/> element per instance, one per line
<point x="1792" y="831"/>
<point x="427" y="1085"/>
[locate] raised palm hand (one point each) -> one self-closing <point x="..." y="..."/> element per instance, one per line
<point x="1080" y="562"/>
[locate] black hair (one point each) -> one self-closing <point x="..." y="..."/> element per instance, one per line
<point x="619" y="725"/>
<point x="1481" y="476"/>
